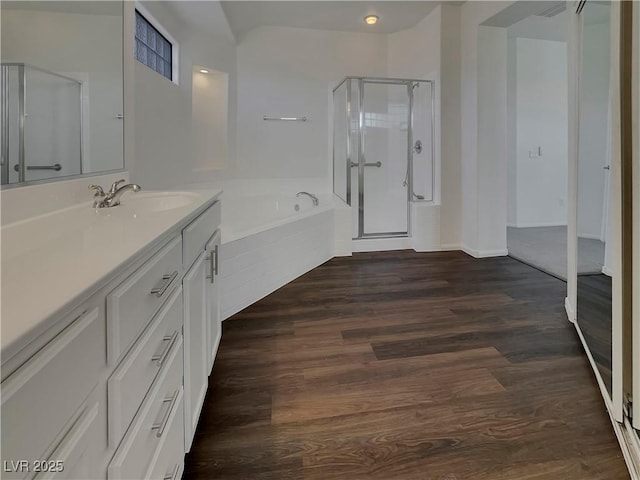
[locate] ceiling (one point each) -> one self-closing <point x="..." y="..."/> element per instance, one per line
<point x="206" y="16"/>
<point x="541" y="28"/>
<point x="244" y="16"/>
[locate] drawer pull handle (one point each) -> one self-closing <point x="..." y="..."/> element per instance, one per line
<point x="161" y="357"/>
<point x="165" y="419"/>
<point x="174" y="475"/>
<point x="211" y="266"/>
<point x="166" y="281"/>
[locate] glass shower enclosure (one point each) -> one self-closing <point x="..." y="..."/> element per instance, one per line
<point x="41" y="124"/>
<point x="383" y="151"/>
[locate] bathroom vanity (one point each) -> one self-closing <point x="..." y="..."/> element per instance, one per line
<point x="110" y="326"/>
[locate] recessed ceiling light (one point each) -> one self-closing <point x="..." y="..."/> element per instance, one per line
<point x="371" y="19"/>
<point x="202" y="70"/>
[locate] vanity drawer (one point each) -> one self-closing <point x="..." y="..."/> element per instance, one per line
<point x="168" y="461"/>
<point x="131" y="305"/>
<point x="43" y="395"/>
<point x="153" y="423"/>
<point x="130" y="382"/>
<point x="198" y="233"/>
<point x="72" y="459"/>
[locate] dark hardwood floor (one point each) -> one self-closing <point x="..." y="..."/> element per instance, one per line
<point x="404" y="365"/>
<point x="594" y="318"/>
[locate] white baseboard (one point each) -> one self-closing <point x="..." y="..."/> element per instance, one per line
<point x="381" y="244"/>
<point x="537" y="224"/>
<point x="484" y="253"/>
<point x="569" y="309"/>
<point x="450" y="247"/>
<point x="588" y="236"/>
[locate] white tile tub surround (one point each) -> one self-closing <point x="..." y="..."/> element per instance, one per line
<point x="266" y="244"/>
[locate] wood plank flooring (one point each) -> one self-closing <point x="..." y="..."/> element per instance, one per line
<point x="404" y="365"/>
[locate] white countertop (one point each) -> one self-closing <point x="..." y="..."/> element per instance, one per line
<point x="55" y="260"/>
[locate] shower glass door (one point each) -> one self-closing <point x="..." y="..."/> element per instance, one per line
<point x="383" y="152"/>
<point x="385" y="119"/>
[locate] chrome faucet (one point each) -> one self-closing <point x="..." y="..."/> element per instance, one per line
<point x="112" y="197"/>
<point x="316" y="202"/>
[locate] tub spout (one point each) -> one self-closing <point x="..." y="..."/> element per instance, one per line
<point x="315" y="200"/>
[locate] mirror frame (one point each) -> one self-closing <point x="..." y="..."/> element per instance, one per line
<point x="616" y="400"/>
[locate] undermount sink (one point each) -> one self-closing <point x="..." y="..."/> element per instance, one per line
<point x="157" y="201"/>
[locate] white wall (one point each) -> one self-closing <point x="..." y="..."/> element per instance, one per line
<point x="512" y="132"/>
<point x="164" y="143"/>
<point x="492" y="142"/>
<point x="483" y="174"/>
<point x="290" y="72"/>
<point x="431" y="50"/>
<point x="415" y="53"/>
<point x="450" y="128"/>
<point x="210" y="114"/>
<point x="539" y="91"/>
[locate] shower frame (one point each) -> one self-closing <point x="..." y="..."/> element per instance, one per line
<point x="22" y="100"/>
<point x="409" y="83"/>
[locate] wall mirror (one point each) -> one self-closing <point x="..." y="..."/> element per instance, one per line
<point x="62" y="89"/>
<point x="595" y="256"/>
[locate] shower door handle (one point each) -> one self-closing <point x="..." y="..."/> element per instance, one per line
<point x="374" y="164"/>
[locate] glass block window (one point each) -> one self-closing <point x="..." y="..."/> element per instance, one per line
<point x="152" y="48"/>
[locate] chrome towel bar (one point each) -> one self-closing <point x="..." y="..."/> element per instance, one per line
<point x="57" y="167"/>
<point x="285" y="119"/>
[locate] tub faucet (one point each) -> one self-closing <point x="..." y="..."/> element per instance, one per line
<point x="112" y="197"/>
<point x="315" y="200"/>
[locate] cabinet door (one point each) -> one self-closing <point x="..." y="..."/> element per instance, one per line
<point x="195" y="291"/>
<point x="214" y="328"/>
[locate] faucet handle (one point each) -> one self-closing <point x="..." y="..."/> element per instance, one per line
<point x="115" y="184"/>
<point x="98" y="189"/>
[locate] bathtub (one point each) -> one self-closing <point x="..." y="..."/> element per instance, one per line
<point x="245" y="215"/>
<point x="269" y="240"/>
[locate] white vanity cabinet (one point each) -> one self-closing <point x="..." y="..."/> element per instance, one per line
<point x="195" y="353"/>
<point x="114" y="391"/>
<point x="201" y="312"/>
<point x="45" y="411"/>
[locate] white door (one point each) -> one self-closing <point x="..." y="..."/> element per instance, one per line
<point x="195" y="291"/>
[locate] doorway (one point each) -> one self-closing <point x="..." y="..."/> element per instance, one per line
<point x="537" y="146"/>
